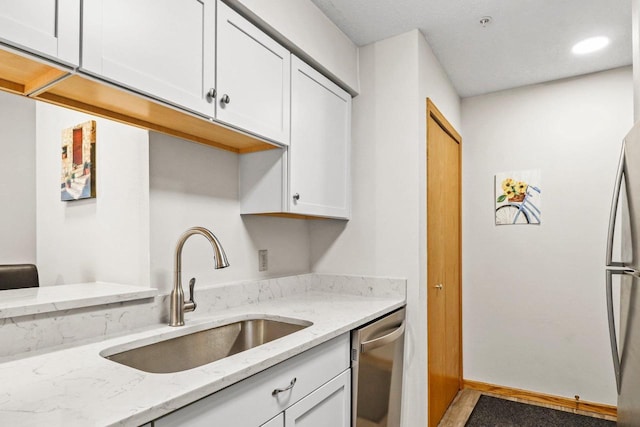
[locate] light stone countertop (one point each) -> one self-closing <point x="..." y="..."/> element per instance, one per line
<point x="77" y="387"/>
<point x="45" y="299"/>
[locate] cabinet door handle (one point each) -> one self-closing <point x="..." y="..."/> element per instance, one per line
<point x="225" y="99"/>
<point x="296" y="197"/>
<point x="280" y="390"/>
<point x="211" y="94"/>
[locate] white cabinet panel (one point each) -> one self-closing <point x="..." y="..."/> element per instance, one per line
<point x="319" y="153"/>
<point x="310" y="369"/>
<point x="275" y="422"/>
<point x="263" y="183"/>
<point x="163" y="48"/>
<point x="253" y="74"/>
<point x="316" y="165"/>
<point x="45" y="27"/>
<point x="330" y="405"/>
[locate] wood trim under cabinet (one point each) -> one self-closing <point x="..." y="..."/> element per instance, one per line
<point x="28" y="75"/>
<point x="542" y="398"/>
<point x="83" y="93"/>
<point x="23" y="76"/>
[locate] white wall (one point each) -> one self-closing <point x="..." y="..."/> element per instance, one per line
<point x="17" y="180"/>
<point x="635" y="34"/>
<point x="102" y="239"/>
<point x="534" y="303"/>
<point x="386" y="235"/>
<point x="196" y="185"/>
<point x="311" y="34"/>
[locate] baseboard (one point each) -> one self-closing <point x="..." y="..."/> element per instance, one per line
<point x="546" y="399"/>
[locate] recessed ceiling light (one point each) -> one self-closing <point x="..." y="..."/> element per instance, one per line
<point x="590" y="45"/>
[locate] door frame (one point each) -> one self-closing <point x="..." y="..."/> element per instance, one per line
<point x="436" y="117"/>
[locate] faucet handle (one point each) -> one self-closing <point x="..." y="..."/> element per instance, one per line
<point x="191" y="304"/>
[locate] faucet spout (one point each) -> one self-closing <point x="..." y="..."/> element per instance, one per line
<point x="178" y="305"/>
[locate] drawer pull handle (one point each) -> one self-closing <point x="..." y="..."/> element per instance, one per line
<point x="280" y="390"/>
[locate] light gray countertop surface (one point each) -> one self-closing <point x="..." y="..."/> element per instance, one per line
<point x="75" y="386"/>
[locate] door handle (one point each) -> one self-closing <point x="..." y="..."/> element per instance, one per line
<point x="614" y="210"/>
<point x="438" y="286"/>
<point x="383" y="340"/>
<point x="612" y="322"/>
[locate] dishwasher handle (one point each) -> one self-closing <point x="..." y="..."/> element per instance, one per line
<point x="383" y="340"/>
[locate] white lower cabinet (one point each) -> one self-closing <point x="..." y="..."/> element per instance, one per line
<point x="304" y="384"/>
<point x="330" y="405"/>
<point x="275" y="422"/>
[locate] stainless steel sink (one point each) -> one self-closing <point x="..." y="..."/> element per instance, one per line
<point x="202" y="347"/>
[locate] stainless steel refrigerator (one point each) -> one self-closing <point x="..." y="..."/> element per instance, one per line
<point x="623" y="261"/>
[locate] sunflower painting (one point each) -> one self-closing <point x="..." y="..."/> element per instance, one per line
<point x="518" y="197"/>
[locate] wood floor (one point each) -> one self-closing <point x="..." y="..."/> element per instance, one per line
<point x="460" y="409"/>
<point x="462" y="406"/>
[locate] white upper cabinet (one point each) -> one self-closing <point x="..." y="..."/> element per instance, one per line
<point x="319" y="154"/>
<point x="311" y="178"/>
<point x="44" y="27"/>
<point x="253" y="78"/>
<point x="163" y="48"/>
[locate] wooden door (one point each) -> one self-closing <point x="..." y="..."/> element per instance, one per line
<point x="444" y="302"/>
<point x="162" y="48"/>
<point x="253" y="78"/>
<point x="320" y="148"/>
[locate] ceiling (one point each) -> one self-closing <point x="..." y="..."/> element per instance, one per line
<point x="527" y="42"/>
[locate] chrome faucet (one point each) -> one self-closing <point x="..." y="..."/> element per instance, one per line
<point x="178" y="304"/>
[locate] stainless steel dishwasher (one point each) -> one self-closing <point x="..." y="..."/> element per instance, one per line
<point x="377" y="352"/>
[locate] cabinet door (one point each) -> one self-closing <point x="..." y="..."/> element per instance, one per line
<point x="45" y="27"/>
<point x="275" y="422"/>
<point x="319" y="153"/>
<point x="162" y="48"/>
<point x="330" y="405"/>
<point x="310" y="370"/>
<point x="253" y="76"/>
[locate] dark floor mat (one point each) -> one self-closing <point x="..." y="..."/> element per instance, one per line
<point x="494" y="412"/>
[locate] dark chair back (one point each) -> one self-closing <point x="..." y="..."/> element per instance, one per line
<point x="16" y="276"/>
